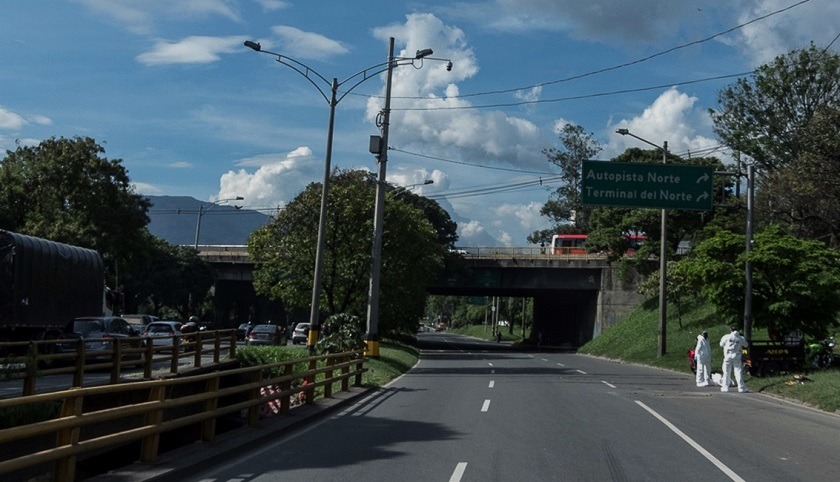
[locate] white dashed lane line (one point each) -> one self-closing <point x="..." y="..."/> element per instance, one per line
<point x="459" y="472"/>
<point x="608" y="384"/>
<point x="486" y="406"/>
<point x="492" y="384"/>
<point x="581" y="372"/>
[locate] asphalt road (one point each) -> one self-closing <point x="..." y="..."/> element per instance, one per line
<point x="473" y="411"/>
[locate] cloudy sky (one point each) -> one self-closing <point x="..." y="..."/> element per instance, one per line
<point x="169" y="88"/>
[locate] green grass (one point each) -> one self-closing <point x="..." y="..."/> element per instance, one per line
<point x="394" y="359"/>
<point x="486" y="332"/>
<point x="635" y="340"/>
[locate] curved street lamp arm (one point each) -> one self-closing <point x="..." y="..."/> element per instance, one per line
<point x="300" y="68"/>
<point x="377" y="69"/>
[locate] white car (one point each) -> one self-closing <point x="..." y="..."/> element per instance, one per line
<point x="162" y="333"/>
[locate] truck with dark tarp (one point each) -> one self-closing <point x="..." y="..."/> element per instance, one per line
<point x="44" y="285"/>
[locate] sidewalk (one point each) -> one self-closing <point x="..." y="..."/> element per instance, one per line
<point x="178" y="464"/>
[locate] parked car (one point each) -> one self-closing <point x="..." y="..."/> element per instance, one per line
<point x="267" y="335"/>
<point x="99" y="334"/>
<point x="301" y="333"/>
<point x="162" y="333"/>
<point x="242" y="331"/>
<point x="139" y="322"/>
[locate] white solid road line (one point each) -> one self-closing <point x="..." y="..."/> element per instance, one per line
<point x="486" y="406"/>
<point x="459" y="472"/>
<point x="705" y="453"/>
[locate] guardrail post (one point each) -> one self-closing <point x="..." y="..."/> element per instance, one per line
<point x="176" y="348"/>
<point x="345" y="371"/>
<point x="198" y="346"/>
<point x="150" y="356"/>
<point x="284" y="386"/>
<point x="359" y="369"/>
<point x="309" y="393"/>
<point x="328" y="376"/>
<point x="79" y="372"/>
<point x="31" y="370"/>
<point x="254" y="410"/>
<point x="217" y="346"/>
<point x="151" y="443"/>
<point x="116" y="361"/>
<point x="65" y="468"/>
<point x="208" y="426"/>
<point x="232" y="354"/>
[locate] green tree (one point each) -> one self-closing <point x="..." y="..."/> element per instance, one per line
<point x="805" y="195"/>
<point x="411" y="253"/>
<point x="766" y="117"/>
<point x="170" y="276"/>
<point x="795" y="281"/>
<point x="564" y="207"/>
<point x="65" y="191"/>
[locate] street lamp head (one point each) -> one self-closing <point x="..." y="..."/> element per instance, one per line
<point x="253" y="45"/>
<point x="239" y="198"/>
<point x="429" y="181"/>
<point x="623" y="132"/>
<point x="423" y="53"/>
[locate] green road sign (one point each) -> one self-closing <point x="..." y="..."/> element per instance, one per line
<point x="662" y="186"/>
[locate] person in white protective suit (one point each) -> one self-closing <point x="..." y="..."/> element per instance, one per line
<point x="703" y="357"/>
<point x="732" y="345"/>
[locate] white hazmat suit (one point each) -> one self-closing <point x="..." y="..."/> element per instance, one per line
<point x="703" y="357"/>
<point x="732" y="345"/>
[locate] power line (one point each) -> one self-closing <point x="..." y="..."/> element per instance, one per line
<point x="576" y="97"/>
<point x="426" y="156"/>
<point x="619" y="66"/>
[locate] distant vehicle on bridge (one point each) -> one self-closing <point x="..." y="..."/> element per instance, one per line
<point x="573" y="244"/>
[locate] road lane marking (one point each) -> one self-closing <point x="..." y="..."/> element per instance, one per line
<point x="705" y="453"/>
<point x="544" y="359"/>
<point x="490" y="364"/>
<point x="492" y="383"/>
<point x="459" y="472"/>
<point x="608" y="384"/>
<point x="560" y="365"/>
<point x="581" y="372"/>
<point x="486" y="406"/>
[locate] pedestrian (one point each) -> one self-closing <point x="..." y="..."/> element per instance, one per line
<point x="703" y="357"/>
<point x="733" y="345"/>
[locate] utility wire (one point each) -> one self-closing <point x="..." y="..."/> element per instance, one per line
<point x="619" y="66"/>
<point x="426" y="156"/>
<point x="575" y="97"/>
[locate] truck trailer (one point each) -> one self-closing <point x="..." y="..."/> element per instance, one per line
<point x="45" y="284"/>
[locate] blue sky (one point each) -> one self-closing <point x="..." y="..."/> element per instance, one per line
<point x="168" y="87"/>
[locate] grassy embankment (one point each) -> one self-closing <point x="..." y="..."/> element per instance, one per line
<point x="635" y="340"/>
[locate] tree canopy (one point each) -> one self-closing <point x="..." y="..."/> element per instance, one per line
<point x="766" y="117"/>
<point x="411" y="252"/>
<point x="795" y="281"/>
<point x="65" y="190"/>
<point x="564" y="207"/>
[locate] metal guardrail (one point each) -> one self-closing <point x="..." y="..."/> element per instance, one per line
<point x="55" y="357"/>
<point x="149" y="419"/>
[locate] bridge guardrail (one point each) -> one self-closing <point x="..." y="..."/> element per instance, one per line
<point x="46" y="357"/>
<point x="164" y="411"/>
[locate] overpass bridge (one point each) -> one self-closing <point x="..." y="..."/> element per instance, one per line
<point x="576" y="296"/>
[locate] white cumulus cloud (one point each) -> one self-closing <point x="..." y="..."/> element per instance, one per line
<point x="191" y="50"/>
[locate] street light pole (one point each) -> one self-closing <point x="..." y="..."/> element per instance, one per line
<point x="202" y="212"/>
<point x="663" y="255"/>
<point x="372" y="335"/>
<point x="314" y="77"/>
